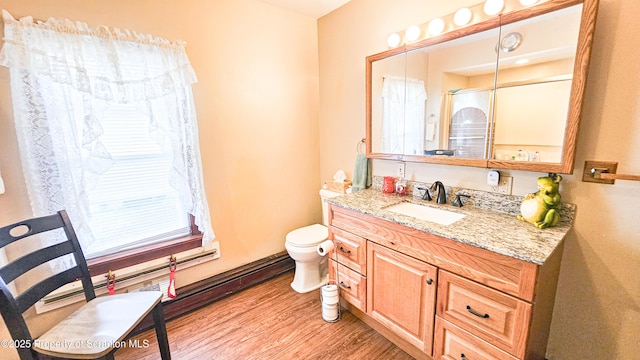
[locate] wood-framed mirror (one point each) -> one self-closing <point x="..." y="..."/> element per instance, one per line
<point x="462" y="99"/>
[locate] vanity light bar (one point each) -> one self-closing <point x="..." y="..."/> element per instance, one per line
<point x="493" y="7"/>
<point x="462" y="17"/>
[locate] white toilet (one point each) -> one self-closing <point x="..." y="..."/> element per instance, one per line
<point x="302" y="243"/>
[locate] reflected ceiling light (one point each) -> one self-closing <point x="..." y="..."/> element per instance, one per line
<point x="462" y="16"/>
<point x="436" y="26"/>
<point x="393" y="40"/>
<point x="493" y="7"/>
<point x="412" y="33"/>
<point x="528" y="2"/>
<point x="522" y="61"/>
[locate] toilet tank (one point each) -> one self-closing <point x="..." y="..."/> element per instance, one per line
<point x="326" y="194"/>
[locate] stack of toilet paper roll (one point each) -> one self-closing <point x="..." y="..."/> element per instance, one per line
<point x="330" y="302"/>
<point x="329" y="293"/>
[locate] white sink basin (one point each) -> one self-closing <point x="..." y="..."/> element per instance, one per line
<point x="427" y="213"/>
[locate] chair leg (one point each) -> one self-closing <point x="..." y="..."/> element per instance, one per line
<point x="161" y="332"/>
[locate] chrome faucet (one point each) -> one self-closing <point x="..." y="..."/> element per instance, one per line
<point x="442" y="194"/>
<point x="426" y="195"/>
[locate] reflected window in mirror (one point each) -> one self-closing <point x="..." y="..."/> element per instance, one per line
<point x="387" y="104"/>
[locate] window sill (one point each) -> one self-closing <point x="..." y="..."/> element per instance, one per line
<point x="102" y="264"/>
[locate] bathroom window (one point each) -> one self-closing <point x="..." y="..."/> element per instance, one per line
<point x="107" y="130"/>
<point x="132" y="202"/>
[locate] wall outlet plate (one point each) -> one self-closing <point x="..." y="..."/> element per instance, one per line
<point x="504" y="186"/>
<point x="401" y="168"/>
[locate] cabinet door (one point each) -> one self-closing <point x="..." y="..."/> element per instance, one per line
<point x="401" y="293"/>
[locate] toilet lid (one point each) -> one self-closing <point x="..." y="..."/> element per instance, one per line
<point x="311" y="235"/>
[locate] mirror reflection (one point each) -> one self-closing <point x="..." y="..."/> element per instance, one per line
<point x="388" y="102"/>
<point x="461" y="80"/>
<point x="447" y="101"/>
<point x="536" y="59"/>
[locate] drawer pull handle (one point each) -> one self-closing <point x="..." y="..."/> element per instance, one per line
<point x="429" y="281"/>
<point x="469" y="309"/>
<point x="344" y="285"/>
<point x="462" y="357"/>
<point x="344" y="251"/>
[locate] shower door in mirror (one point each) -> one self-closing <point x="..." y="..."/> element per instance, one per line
<point x="469" y="113"/>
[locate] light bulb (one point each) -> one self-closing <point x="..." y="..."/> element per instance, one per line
<point x="412" y="33"/>
<point x="528" y="2"/>
<point x="493" y="7"/>
<point x="436" y="26"/>
<point x="393" y="40"/>
<point x="462" y="16"/>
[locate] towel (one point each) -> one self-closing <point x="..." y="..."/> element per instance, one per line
<point x="361" y="173"/>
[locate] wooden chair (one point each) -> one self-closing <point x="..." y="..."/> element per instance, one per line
<point x="98" y="328"/>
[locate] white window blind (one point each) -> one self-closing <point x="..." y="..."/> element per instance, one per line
<point x="133" y="203"/>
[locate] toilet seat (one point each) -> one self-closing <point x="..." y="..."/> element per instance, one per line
<point x="308" y="236"/>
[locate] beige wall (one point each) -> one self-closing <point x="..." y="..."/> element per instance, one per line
<point x="260" y="138"/>
<point x="257" y="106"/>
<point x="597" y="312"/>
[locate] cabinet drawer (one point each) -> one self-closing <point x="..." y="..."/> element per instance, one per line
<point x="353" y="286"/>
<point x="453" y="343"/>
<point x="500" y="319"/>
<point x="350" y="250"/>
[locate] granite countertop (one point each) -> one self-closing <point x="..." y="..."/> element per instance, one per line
<point x="497" y="231"/>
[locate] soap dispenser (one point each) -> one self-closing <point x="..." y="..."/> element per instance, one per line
<point x="401" y="187"/>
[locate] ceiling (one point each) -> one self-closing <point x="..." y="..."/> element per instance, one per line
<point x="313" y="8"/>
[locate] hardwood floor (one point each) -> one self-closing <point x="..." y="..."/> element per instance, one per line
<point x="267" y="321"/>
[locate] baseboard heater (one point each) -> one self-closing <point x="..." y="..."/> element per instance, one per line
<point x="151" y="277"/>
<point x="194" y="296"/>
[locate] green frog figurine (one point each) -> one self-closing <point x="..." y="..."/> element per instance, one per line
<point x="542" y="208"/>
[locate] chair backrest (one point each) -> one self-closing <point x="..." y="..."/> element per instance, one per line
<point x="12" y="307"/>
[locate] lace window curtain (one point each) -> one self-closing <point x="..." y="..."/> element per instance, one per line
<point x="59" y="132"/>
<point x="392" y="114"/>
<point x="403" y="119"/>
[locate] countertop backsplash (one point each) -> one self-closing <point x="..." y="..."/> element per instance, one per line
<point x="489" y="223"/>
<point x="508" y="204"/>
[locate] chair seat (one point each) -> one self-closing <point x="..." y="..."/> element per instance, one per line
<point x="98" y="326"/>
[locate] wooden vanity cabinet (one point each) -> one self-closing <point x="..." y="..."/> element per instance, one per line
<point x="440" y="299"/>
